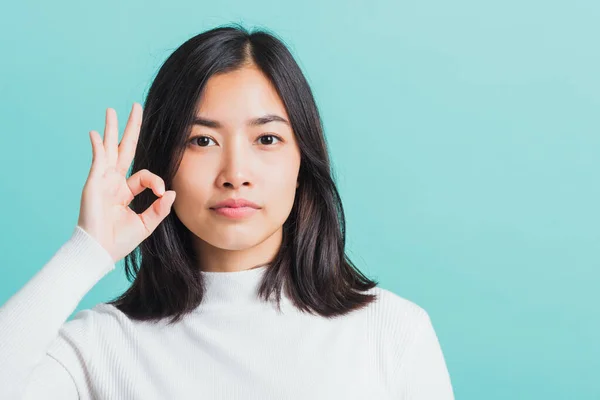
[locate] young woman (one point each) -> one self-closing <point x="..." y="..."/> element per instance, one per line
<point x="241" y="286"/>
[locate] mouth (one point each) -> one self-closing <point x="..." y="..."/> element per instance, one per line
<point x="235" y="212"/>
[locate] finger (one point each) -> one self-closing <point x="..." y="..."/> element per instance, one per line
<point x="157" y="211"/>
<point x="98" y="156"/>
<point x="130" y="139"/>
<point x="111" y="136"/>
<point x="143" y="179"/>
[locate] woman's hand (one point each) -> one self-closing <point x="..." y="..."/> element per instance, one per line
<point x="104" y="211"/>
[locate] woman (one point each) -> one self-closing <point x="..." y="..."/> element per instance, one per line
<point x="241" y="287"/>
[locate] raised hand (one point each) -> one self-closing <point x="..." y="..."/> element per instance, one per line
<point x="104" y="211"/>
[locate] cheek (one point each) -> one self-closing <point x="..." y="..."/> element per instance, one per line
<point x="282" y="191"/>
<point x="192" y="191"/>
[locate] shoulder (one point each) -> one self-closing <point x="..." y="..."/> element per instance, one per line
<point x="395" y="320"/>
<point x="391" y="307"/>
<point x="393" y="323"/>
<point x="107" y="314"/>
<point x="88" y="328"/>
<point x="98" y="316"/>
<point x="83" y="343"/>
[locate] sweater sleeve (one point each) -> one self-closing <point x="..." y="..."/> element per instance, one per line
<point x="50" y="380"/>
<point x="30" y="320"/>
<point x="423" y="374"/>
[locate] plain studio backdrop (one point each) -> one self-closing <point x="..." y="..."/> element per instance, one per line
<point x="464" y="135"/>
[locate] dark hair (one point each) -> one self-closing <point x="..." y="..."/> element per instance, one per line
<point x="311" y="264"/>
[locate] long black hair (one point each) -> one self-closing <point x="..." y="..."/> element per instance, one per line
<point x="311" y="264"/>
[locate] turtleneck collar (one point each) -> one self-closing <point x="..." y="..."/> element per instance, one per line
<point x="233" y="288"/>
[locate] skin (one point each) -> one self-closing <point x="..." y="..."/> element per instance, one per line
<point x="234" y="161"/>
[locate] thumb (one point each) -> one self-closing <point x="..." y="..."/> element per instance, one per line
<point x="158" y="210"/>
<point x="166" y="201"/>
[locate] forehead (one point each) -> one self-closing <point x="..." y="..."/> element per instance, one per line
<point x="238" y="95"/>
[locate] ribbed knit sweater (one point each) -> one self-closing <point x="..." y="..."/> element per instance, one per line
<point x="233" y="346"/>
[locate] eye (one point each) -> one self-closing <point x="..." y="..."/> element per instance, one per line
<point x="269" y="136"/>
<point x="202" y="141"/>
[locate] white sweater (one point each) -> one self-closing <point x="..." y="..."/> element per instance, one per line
<point x="234" y="346"/>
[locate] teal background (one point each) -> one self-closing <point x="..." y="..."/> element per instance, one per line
<point x="464" y="137"/>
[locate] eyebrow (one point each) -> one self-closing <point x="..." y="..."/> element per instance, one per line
<point x="251" y="122"/>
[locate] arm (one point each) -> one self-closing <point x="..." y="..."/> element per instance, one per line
<point x="50" y="380"/>
<point x="30" y="320"/>
<point x="107" y="230"/>
<point x="423" y="373"/>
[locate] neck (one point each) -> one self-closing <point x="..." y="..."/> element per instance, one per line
<point x="239" y="288"/>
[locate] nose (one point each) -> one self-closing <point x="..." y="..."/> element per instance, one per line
<point x="235" y="165"/>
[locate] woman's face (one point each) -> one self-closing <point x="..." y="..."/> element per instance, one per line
<point x="229" y="156"/>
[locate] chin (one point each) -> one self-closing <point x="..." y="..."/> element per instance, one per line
<point x="233" y="243"/>
<point x="232" y="237"/>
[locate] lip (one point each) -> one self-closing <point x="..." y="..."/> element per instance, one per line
<point x="235" y="212"/>
<point x="235" y="203"/>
